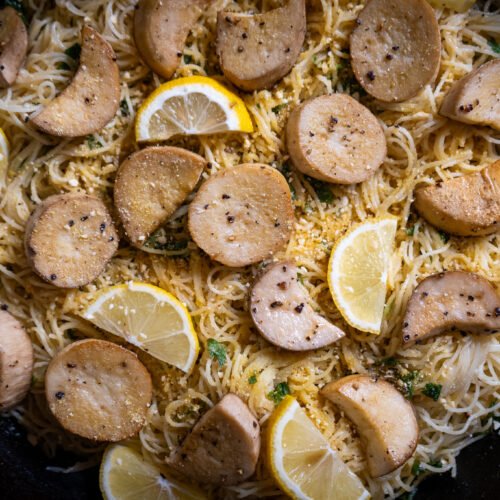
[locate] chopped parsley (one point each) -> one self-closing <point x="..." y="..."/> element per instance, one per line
<point x="416" y="470"/>
<point x="252" y="379"/>
<point x="444" y="236"/>
<point x="436" y="462"/>
<point x="279" y="107"/>
<point x="300" y="278"/>
<point x="125" y="111"/>
<point x="279" y="392"/>
<point x="162" y="241"/>
<point x="217" y="351"/>
<point x="410" y="231"/>
<point x="74" y="51"/>
<point x="432" y="390"/>
<point x="391" y="361"/>
<point x="408" y="382"/>
<point x="495" y="46"/>
<point x="322" y="189"/>
<point x="92" y="142"/>
<point x="188" y="59"/>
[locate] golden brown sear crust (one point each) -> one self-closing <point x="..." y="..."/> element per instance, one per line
<point x="13" y="45"/>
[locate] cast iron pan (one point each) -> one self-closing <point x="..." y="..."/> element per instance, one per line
<point x="23" y="475"/>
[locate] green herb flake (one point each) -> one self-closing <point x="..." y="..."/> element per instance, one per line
<point x="494" y="45"/>
<point x="391" y="361"/>
<point x="300" y="278"/>
<point x="279" y="107"/>
<point x="436" y="462"/>
<point x="408" y="381"/>
<point x="445" y="237"/>
<point x="432" y="390"/>
<point x="279" y="392"/>
<point x="124" y="108"/>
<point x="188" y="59"/>
<point x="416" y="470"/>
<point x="158" y="241"/>
<point x="74" y="51"/>
<point x="410" y="231"/>
<point x="92" y="142"/>
<point x="252" y="379"/>
<point x="322" y="189"/>
<point x="217" y="351"/>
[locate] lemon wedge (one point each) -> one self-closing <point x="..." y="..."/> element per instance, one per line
<point x="194" y="105"/>
<point x="358" y="272"/>
<point x="149" y="318"/>
<point x="125" y="474"/>
<point x="303" y="463"/>
<point x="4" y="158"/>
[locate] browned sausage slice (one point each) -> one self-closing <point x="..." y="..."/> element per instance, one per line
<point x="335" y="139"/>
<point x="465" y="206"/>
<point x="384" y="419"/>
<point x="255" y="51"/>
<point x="98" y="390"/>
<point x="396" y="48"/>
<point x="93" y="96"/>
<point x="69" y="239"/>
<point x="280" y="310"/>
<point x="242" y="215"/>
<point x="475" y="98"/>
<point x="151" y="184"/>
<point x="448" y="301"/>
<point x="13" y="45"/>
<point x="161" y="28"/>
<point x="223" y="446"/>
<point x="16" y="361"/>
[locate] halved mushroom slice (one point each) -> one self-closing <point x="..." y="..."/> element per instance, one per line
<point x="93" y="96"/>
<point x="449" y="301"/>
<point x="16" y="361"/>
<point x="151" y="184"/>
<point x="335" y="139"/>
<point x="161" y="28"/>
<point x="385" y="420"/>
<point x="255" y="51"/>
<point x="242" y="215"/>
<point x="475" y="98"/>
<point x="465" y="206"/>
<point x="13" y="45"/>
<point x="280" y="310"/>
<point x="98" y="390"/>
<point x="223" y="447"/>
<point x="69" y="239"/>
<point x="396" y="48"/>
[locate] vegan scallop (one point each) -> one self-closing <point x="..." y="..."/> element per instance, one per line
<point x="336" y="139"/>
<point x="465" y="206"/>
<point x="385" y="420"/>
<point x="69" y="239"/>
<point x="255" y="51"/>
<point x="16" y="361"/>
<point x="91" y="99"/>
<point x="98" y="390"/>
<point x="242" y="215"/>
<point x="223" y="447"/>
<point x="281" y="312"/>
<point x="151" y="184"/>
<point x="395" y="48"/>
<point x="449" y="301"/>
<point x="13" y="45"/>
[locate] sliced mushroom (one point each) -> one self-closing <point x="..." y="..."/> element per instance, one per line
<point x="93" y="96"/>
<point x="465" y="206"/>
<point x="449" y="301"/>
<point x="475" y="98"/>
<point x="280" y="310"/>
<point x="242" y="215"/>
<point x="385" y="420"/>
<point x="13" y="45"/>
<point x="396" y="48"/>
<point x="69" y="239"/>
<point x="16" y="361"/>
<point x="255" y="51"/>
<point x="98" y="390"/>
<point x="151" y="184"/>
<point x="161" y="28"/>
<point x="223" y="446"/>
<point x="335" y="139"/>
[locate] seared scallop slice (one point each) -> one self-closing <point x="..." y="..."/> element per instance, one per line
<point x="223" y="447"/>
<point x="385" y="420"/>
<point x="13" y="45"/>
<point x="93" y="96"/>
<point x="255" y="51"/>
<point x="475" y="98"/>
<point x="465" y="206"/>
<point x="161" y="28"/>
<point x="242" y="215"/>
<point x="280" y="310"/>
<point x="98" y="390"/>
<point x="395" y="48"/>
<point x="335" y="139"/>
<point x="151" y="184"/>
<point x="449" y="301"/>
<point x="69" y="239"/>
<point x="16" y="361"/>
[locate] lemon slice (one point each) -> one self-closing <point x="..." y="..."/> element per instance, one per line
<point x="194" y="105"/>
<point x="126" y="475"/>
<point x="358" y="271"/>
<point x="303" y="463"/>
<point x="4" y="158"/>
<point x="149" y="318"/>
